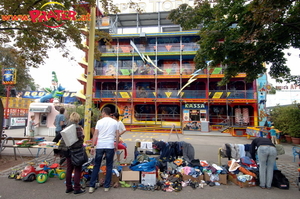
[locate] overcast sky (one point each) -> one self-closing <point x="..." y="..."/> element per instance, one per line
<point x="67" y="70"/>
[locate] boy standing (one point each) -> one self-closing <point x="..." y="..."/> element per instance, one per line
<point x="31" y="126"/>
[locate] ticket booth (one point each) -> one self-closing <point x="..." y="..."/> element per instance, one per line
<point x="194" y="115"/>
<point x="44" y="115"/>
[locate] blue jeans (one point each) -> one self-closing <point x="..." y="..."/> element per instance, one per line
<point x="267" y="157"/>
<point x="109" y="155"/>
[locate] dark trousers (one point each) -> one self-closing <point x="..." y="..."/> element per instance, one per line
<point x="109" y="155"/>
<point x="57" y="136"/>
<point x="77" y="175"/>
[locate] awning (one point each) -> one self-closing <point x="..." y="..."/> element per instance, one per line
<point x="40" y="109"/>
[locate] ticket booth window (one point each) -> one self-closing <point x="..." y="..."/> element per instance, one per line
<point x="195" y="115"/>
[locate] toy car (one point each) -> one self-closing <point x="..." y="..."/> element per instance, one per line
<point x="22" y="142"/>
<point x="29" y="173"/>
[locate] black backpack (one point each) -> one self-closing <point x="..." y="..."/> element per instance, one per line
<point x="280" y="181"/>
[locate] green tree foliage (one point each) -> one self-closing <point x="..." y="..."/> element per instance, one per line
<point x="33" y="40"/>
<point x="286" y="119"/>
<point x="243" y="34"/>
<point x="80" y="109"/>
<point x="9" y="58"/>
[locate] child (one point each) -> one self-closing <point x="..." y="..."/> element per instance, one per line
<point x="32" y="125"/>
<point x="273" y="135"/>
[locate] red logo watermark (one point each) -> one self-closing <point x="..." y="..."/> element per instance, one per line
<point x="43" y="16"/>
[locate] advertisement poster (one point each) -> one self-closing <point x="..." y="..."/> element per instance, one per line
<point x="262" y="95"/>
<point x="125" y="112"/>
<point x="17" y="121"/>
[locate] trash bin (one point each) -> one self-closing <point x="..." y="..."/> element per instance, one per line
<point x="205" y="126"/>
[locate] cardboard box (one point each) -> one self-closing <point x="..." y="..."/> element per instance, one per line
<point x="148" y="178"/>
<point x="188" y="177"/>
<point x="114" y="178"/>
<point x="129" y="175"/>
<point x="233" y="178"/>
<point x="222" y="178"/>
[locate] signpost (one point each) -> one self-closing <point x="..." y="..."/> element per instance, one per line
<point x="9" y="78"/>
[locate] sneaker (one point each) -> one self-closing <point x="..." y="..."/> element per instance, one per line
<point x="69" y="190"/>
<point x="106" y="189"/>
<point x="79" y="191"/>
<point x="91" y="189"/>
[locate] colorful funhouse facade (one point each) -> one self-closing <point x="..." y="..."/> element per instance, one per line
<point x="146" y="77"/>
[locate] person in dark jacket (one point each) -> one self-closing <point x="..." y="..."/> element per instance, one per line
<point x="266" y="153"/>
<point x="188" y="151"/>
<point x="74" y="119"/>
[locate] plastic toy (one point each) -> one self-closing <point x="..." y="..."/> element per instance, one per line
<point x="41" y="173"/>
<point x="50" y="171"/>
<point x="29" y="173"/>
<point x="22" y="142"/>
<point x="13" y="174"/>
<point x="87" y="169"/>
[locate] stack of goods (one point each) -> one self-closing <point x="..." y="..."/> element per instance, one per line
<point x="243" y="172"/>
<point x="214" y="174"/>
<point x="174" y="168"/>
<point x="235" y="151"/>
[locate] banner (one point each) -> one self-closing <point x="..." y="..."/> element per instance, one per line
<point x="68" y="97"/>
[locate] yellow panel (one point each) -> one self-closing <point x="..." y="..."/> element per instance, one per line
<point x="124" y="95"/>
<point x="217" y="95"/>
<point x="228" y="93"/>
<point x="181" y="94"/>
<point x="154" y="93"/>
<point x="168" y="94"/>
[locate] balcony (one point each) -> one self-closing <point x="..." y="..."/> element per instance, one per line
<point x="236" y="94"/>
<point x="172" y="94"/>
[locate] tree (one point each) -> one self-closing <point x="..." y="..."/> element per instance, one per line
<point x="9" y="58"/>
<point x="32" y="40"/>
<point x="243" y="34"/>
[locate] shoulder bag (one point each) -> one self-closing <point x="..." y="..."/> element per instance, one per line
<point x="78" y="156"/>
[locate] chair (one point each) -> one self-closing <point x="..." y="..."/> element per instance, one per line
<point x="296" y="152"/>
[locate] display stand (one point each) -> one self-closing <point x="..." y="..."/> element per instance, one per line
<point x="32" y="147"/>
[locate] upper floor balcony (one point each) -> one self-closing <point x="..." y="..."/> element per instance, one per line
<point x="173" y="94"/>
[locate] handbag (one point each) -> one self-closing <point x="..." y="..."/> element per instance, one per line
<point x="78" y="156"/>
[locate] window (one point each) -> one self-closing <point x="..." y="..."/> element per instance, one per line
<point x="144" y="112"/>
<point x="168" y="113"/>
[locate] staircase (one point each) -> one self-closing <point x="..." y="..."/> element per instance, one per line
<point x="225" y="127"/>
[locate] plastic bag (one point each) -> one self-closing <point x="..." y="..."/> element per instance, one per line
<point x="146" y="166"/>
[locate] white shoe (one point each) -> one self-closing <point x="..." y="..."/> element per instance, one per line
<point x="91" y="189"/>
<point x="106" y="189"/>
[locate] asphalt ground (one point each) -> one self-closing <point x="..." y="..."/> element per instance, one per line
<point x="206" y="148"/>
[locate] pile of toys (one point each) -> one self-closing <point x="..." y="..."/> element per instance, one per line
<point x="30" y="141"/>
<point x="40" y="173"/>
